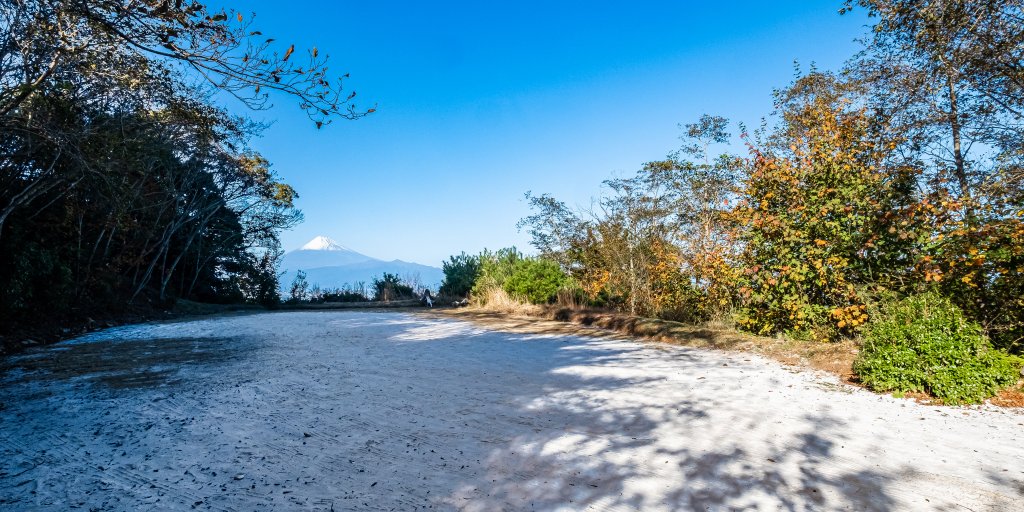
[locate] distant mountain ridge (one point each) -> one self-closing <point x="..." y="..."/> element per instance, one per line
<point x="329" y="264"/>
<point x="321" y="252"/>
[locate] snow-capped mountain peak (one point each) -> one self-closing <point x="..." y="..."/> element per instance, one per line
<point x="323" y="243"/>
<point x="322" y="252"/>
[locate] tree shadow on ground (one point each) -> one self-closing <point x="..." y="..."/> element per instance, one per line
<point x="137" y="364"/>
<point x="602" y="432"/>
<point x="385" y="411"/>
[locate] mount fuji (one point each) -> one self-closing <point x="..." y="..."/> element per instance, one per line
<point x="332" y="265"/>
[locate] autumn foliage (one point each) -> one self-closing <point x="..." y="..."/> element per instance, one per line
<point x="894" y="183"/>
<point x="821" y="219"/>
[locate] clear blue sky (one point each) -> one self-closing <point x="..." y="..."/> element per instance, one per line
<point x="479" y="102"/>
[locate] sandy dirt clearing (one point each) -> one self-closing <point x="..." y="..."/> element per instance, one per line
<point x="350" y="410"/>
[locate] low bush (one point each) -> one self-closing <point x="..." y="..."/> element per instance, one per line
<point x="390" y="287"/>
<point x="338" y="295"/>
<point x="924" y="343"/>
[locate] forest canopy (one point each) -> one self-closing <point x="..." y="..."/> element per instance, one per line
<point x="121" y="182"/>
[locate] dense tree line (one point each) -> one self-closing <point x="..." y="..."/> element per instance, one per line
<point x="887" y="192"/>
<point x="901" y="172"/>
<point x="384" y="288"/>
<point x="121" y="183"/>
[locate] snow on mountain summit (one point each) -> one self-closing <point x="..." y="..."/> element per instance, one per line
<point x="321" y="252"/>
<point x="323" y="243"/>
<point x="332" y="265"/>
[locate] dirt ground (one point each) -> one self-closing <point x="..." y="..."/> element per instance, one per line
<point x="356" y="410"/>
<point x="834" y="358"/>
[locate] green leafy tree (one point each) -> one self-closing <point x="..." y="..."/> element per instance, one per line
<point x="496" y="268"/>
<point x="460" y="275"/>
<point x="537" y="280"/>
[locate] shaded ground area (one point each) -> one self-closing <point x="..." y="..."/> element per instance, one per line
<point x="356" y="410"/>
<point x="18" y="336"/>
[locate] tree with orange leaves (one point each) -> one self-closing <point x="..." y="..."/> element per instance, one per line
<point x="820" y="215"/>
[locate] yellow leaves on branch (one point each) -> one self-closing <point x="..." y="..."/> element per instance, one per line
<point x="850" y="316"/>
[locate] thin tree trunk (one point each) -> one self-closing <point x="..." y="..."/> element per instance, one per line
<point x="31" y="192"/>
<point x="958" y="155"/>
<point x="195" y="232"/>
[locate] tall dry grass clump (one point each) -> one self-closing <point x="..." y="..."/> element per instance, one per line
<point x="498" y="300"/>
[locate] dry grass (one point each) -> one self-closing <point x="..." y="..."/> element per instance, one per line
<point x="497" y="300"/>
<point x="1011" y="397"/>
